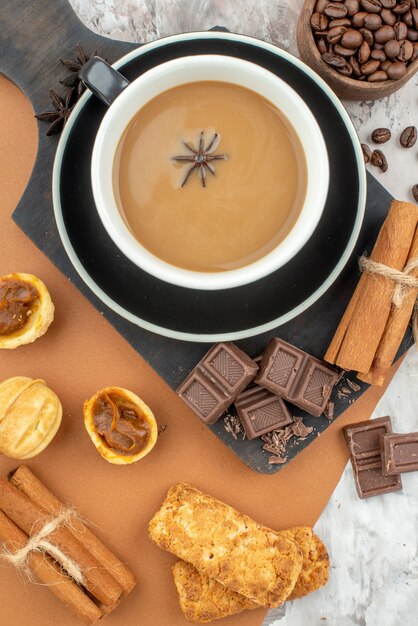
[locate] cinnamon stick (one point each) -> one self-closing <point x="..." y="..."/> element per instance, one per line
<point x="396" y="326"/>
<point x="33" y="488"/>
<point x="48" y="573"/>
<point x="357" y="338"/>
<point x="31" y="518"/>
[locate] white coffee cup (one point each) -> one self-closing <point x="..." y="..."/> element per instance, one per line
<point x="127" y="99"/>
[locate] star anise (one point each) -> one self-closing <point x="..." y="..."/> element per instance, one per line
<point x="201" y="159"/>
<point x="60" y="116"/>
<point x="75" y="65"/>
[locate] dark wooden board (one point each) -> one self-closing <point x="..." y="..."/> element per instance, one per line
<point x="34" y="37"/>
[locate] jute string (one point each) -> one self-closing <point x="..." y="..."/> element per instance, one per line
<point x="39" y="543"/>
<point x="403" y="280"/>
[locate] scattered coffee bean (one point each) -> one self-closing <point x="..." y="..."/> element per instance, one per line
<point x="379" y="160"/>
<point x="406" y="50"/>
<point x="334" y="34"/>
<point x="352" y="39"/>
<point x="415" y="54"/>
<point x="384" y="34"/>
<point x="400" y="9"/>
<point x="356" y="66"/>
<point x="412" y="35"/>
<point x="353" y="7"/>
<point x="367" y="153"/>
<point x="381" y="135"/>
<point x="379" y="55"/>
<point x="364" y="53"/>
<point x="384" y="66"/>
<point x="392" y="49"/>
<point x="347" y="70"/>
<point x="388" y="17"/>
<point x="401" y="31"/>
<point x="358" y="19"/>
<point x="372" y="21"/>
<point x="371" y="66"/>
<point x="367" y="35"/>
<point x="408" y="137"/>
<point x="336" y="10"/>
<point x="319" y="21"/>
<point x="388" y="4"/>
<point x="345" y="52"/>
<point x="343" y="22"/>
<point x="415" y="193"/>
<point x="322" y="46"/>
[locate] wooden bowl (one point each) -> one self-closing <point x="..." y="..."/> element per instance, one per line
<point x="344" y="87"/>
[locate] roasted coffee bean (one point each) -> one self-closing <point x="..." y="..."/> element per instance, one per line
<point x="343" y="22"/>
<point x="401" y="30"/>
<point x="379" y="55"/>
<point x="407" y="19"/>
<point x="364" y="53"/>
<point x="370" y="67"/>
<point x="322" y="46"/>
<point x="414" y="13"/>
<point x="381" y="135"/>
<point x="347" y="70"/>
<point x="378" y="46"/>
<point x="353" y="7"/>
<point x="392" y="49"/>
<point x="368" y="35"/>
<point x="412" y="35"/>
<point x="352" y="39"/>
<point x="319" y="21"/>
<point x="372" y="21"/>
<point x="320" y="6"/>
<point x="388" y="4"/>
<point x="396" y="71"/>
<point x="406" y="50"/>
<point x="356" y="66"/>
<point x="408" y="137"/>
<point x="388" y="17"/>
<point x="379" y="160"/>
<point x="400" y="9"/>
<point x="335" y="10"/>
<point x="377" y="77"/>
<point x="334" y="60"/>
<point x="415" y="54"/>
<point x="371" y="6"/>
<point x="345" y="52"/>
<point x="415" y="192"/>
<point x="384" y="66"/>
<point x="367" y="153"/>
<point x="384" y="34"/>
<point x="335" y="34"/>
<point x="358" y="19"/>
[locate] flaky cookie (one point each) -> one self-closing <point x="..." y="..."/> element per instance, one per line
<point x="226" y="545"/>
<point x="203" y="599"/>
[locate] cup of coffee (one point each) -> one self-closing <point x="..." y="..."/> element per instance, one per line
<point x="208" y="171"/>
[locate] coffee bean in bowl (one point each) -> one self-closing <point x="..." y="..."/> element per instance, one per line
<point x="364" y="49"/>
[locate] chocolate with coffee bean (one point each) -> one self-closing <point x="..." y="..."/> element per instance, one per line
<point x="373" y="40"/>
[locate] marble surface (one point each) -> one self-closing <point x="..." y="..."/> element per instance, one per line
<point x="373" y="543"/>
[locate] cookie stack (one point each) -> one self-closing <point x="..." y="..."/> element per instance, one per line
<point x="229" y="562"/>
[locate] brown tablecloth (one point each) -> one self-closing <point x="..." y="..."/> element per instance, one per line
<point x="81" y="353"/>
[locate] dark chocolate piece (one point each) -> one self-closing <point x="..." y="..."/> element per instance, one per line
<point x="363" y="438"/>
<point x="217" y="381"/>
<point x="399" y="453"/>
<point x="261" y="411"/>
<point x="371" y="482"/>
<point x="296" y="376"/>
<point x="363" y="441"/>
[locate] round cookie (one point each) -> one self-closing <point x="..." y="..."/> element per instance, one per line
<point x="315" y="564"/>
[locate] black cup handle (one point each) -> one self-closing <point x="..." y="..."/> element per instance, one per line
<point x="105" y="82"/>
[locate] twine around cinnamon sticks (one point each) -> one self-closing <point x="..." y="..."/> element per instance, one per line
<point x="32" y="520"/>
<point x="375" y="321"/>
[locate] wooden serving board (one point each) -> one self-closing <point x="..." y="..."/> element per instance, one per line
<point x="34" y="37"/>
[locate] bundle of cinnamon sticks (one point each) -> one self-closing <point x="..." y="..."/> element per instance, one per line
<point x="26" y="506"/>
<point x="372" y="327"/>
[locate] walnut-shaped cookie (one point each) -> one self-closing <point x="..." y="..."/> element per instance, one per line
<point x="121" y="425"/>
<point x="30" y="415"/>
<point x="26" y="309"/>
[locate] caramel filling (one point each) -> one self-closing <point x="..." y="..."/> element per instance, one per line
<point x="15" y="299"/>
<point x="119" y="422"/>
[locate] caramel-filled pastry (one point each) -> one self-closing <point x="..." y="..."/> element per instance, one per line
<point x="26" y="309"/>
<point x="121" y="425"/>
<point x="30" y="415"/>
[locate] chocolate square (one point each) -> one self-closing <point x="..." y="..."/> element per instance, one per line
<point x="296" y="376"/>
<point x="370" y="480"/>
<point x="261" y="411"/>
<point x="363" y="438"/>
<point x="399" y="453"/>
<point x="216" y="381"/>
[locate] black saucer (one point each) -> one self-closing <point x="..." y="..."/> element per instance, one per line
<point x="209" y="315"/>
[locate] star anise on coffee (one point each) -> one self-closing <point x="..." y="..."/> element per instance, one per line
<point x="201" y="159"/>
<point x="75" y="65"/>
<point x="59" y="117"/>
